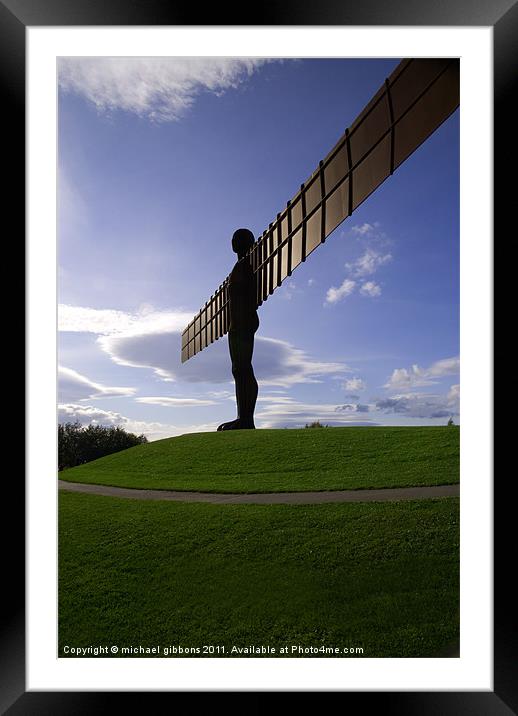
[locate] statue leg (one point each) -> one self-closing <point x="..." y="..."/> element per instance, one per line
<point x="246" y="384"/>
<point x="241" y="345"/>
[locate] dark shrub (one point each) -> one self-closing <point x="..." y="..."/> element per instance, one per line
<point x="77" y="444"/>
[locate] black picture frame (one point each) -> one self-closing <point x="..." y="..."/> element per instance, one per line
<point x="15" y="17"/>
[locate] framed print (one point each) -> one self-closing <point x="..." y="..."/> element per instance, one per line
<point x="43" y="41"/>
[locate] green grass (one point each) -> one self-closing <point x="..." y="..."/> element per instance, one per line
<point x="284" y="460"/>
<point x="381" y="576"/>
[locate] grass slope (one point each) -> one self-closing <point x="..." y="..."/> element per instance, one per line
<point x="381" y="576"/>
<point x="284" y="460"/>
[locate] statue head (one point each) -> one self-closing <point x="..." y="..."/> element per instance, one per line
<point x="242" y="240"/>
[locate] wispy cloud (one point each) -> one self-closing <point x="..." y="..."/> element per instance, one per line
<point x="159" y="431"/>
<point x="289" y="289"/>
<point x="353" y="385"/>
<point x="364" y="229"/>
<point x="368" y="263"/>
<point x="161" y="89"/>
<point x="74" y="386"/>
<point x="370" y="233"/>
<point x="423" y="405"/>
<point x="80" y="319"/>
<point x="293" y="414"/>
<point x="275" y="362"/>
<point x="370" y="288"/>
<point x="221" y="394"/>
<point x="175" y="402"/>
<point x="72" y="208"/>
<point x="406" y="379"/>
<point x="352" y="408"/>
<point x="275" y="399"/>
<point x="454" y="395"/>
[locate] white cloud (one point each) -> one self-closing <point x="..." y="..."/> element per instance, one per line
<point x="446" y="366"/>
<point x="370" y="233"/>
<point x="88" y="415"/>
<point x="370" y="288"/>
<point x="275" y="362"/>
<point x="337" y="294"/>
<point x="453" y="395"/>
<point x="161" y="89"/>
<point x="363" y="229"/>
<point x="74" y="386"/>
<point x="368" y="263"/>
<point x="79" y="319"/>
<point x="152" y="339"/>
<point x="365" y="265"/>
<point x="353" y="385"/>
<point x="404" y="379"/>
<point x="174" y="402"/>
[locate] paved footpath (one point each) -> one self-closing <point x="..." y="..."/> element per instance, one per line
<point x="268" y="498"/>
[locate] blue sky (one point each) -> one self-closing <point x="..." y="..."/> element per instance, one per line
<point x="160" y="160"/>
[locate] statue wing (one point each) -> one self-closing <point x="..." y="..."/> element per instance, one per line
<point x="413" y="102"/>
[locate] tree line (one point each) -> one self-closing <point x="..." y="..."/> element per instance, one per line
<point x="78" y="444"/>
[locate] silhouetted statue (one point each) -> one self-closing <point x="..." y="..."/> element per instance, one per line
<point x="419" y="95"/>
<point x="244" y="322"/>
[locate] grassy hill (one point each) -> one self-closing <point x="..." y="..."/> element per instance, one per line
<point x="383" y="577"/>
<point x="284" y="460"/>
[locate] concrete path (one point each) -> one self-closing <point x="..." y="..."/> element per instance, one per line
<point x="268" y="498"/>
